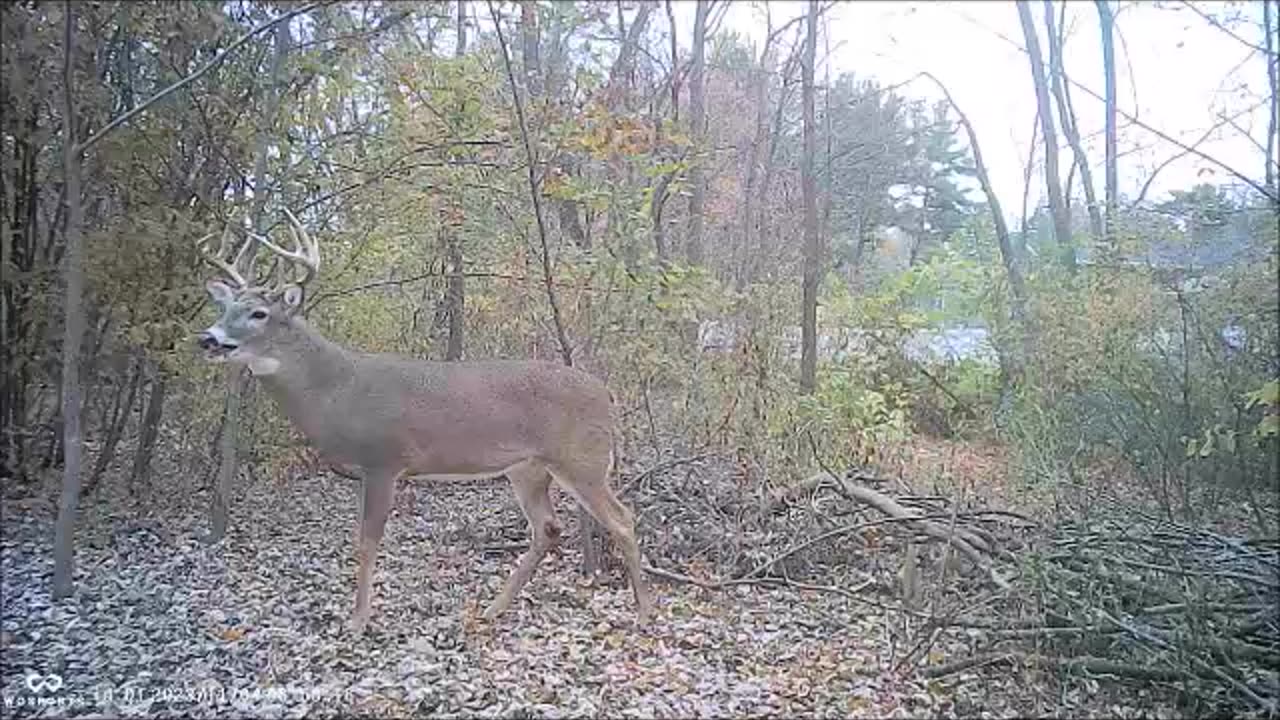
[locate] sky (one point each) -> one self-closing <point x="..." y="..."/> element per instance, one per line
<point x="1174" y="72"/>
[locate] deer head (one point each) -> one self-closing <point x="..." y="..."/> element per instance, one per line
<point x="252" y="314"/>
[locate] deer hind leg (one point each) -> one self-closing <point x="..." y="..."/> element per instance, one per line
<point x="379" y="496"/>
<point x="530" y="482"/>
<point x="587" y="479"/>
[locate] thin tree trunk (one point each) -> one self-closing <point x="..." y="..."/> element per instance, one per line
<point x="1106" y="22"/>
<point x="590" y="533"/>
<point x="657" y="201"/>
<point x="238" y="377"/>
<point x="675" y="65"/>
<point x="1027" y="173"/>
<point x="455" y="286"/>
<point x="1271" y="28"/>
<point x="753" y="215"/>
<point x="116" y="421"/>
<point x="147" y="433"/>
<point x="764" y="237"/>
<point x="621" y="72"/>
<point x="1066" y="111"/>
<point x="693" y="249"/>
<point x="455" y="294"/>
<point x="73" y="331"/>
<point x="658" y="196"/>
<point x="760" y="88"/>
<point x="529" y="51"/>
<point x="812" y="247"/>
<point x="227" y="448"/>
<point x="1053" y="183"/>
<point x="1011" y="367"/>
<point x="824" y="231"/>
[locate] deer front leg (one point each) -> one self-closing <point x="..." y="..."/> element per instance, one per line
<point x="379" y="496"/>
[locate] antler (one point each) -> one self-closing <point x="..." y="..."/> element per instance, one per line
<point x="306" y="252"/>
<point x="232" y="269"/>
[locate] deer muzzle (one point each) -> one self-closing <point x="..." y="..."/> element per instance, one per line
<point x="215" y="343"/>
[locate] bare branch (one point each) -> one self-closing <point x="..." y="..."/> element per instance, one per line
<point x="1218" y="24"/>
<point x="566" y="351"/>
<point x="215" y="62"/>
<point x="1262" y="189"/>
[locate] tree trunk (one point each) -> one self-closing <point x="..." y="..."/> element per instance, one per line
<point x="455" y="293"/>
<point x="238" y="377"/>
<point x="455" y="288"/>
<point x="658" y="195"/>
<point x="73" y="332"/>
<point x="693" y="250"/>
<point x="590" y="533"/>
<point x="812" y="248"/>
<point x="760" y="86"/>
<point x="1270" y="29"/>
<point x="1066" y="111"/>
<point x="765" y="233"/>
<point x="530" y="48"/>
<point x="675" y="65"/>
<point x="228" y="445"/>
<point x="623" y="68"/>
<point x="657" y="201"/>
<point x="1010" y="366"/>
<point x="147" y="434"/>
<point x="115" y="422"/>
<point x="1106" y="21"/>
<point x="1053" y="183"/>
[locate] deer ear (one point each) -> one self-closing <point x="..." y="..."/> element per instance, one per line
<point x="291" y="297"/>
<point x="219" y="291"/>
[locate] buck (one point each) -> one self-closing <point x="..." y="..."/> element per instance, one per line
<point x="394" y="416"/>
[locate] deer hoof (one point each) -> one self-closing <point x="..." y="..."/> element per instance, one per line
<point x="359" y="621"/>
<point x="496" y="608"/>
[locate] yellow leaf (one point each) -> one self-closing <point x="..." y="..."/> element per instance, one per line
<point x="232" y="634"/>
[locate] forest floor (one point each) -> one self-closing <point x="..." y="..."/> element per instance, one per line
<point x="161" y="624"/>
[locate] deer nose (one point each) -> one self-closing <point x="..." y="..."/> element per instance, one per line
<point x="207" y="341"/>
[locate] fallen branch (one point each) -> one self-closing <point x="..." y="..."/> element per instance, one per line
<point x="966" y="542"/>
<point x="665" y="465"/>
<point x="835" y="532"/>
<point x="1093" y="665"/>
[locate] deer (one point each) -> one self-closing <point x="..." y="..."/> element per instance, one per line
<point x="393" y="416"/>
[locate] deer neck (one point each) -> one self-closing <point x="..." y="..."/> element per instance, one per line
<point x="306" y="365"/>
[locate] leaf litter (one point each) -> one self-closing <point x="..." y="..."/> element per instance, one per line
<point x="256" y="625"/>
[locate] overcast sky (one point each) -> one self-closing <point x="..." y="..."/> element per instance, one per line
<point x="1175" y="72"/>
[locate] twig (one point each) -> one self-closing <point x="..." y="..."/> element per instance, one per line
<point x="566" y="351"/>
<point x="215" y="62"/>
<point x="834" y="532"/>
<point x="665" y="465"/>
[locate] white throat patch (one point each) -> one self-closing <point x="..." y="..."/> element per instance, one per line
<point x="261" y="366"/>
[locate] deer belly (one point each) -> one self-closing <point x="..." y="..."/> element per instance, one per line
<point x="350" y="444"/>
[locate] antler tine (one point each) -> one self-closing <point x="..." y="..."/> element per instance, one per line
<point x="240" y="255"/>
<point x="306" y="252"/>
<point x="231" y="270"/>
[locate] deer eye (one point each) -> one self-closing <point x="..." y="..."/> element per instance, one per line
<point x="258" y="314"/>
